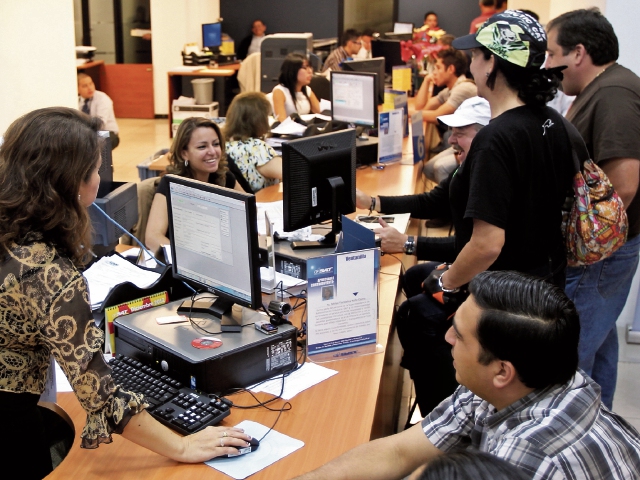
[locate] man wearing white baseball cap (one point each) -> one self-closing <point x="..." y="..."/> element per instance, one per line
<point x="473" y="110"/>
<point x="472" y="114"/>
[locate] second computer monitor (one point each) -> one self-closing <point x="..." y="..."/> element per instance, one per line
<point x="391" y="50"/>
<point x="354" y="99"/>
<point x="211" y="35"/>
<point x="370" y="65"/>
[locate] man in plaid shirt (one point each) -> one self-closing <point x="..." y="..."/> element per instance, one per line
<point x="515" y="351"/>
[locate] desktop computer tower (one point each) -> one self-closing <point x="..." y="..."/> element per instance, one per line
<point x="274" y="49"/>
<point x="240" y="360"/>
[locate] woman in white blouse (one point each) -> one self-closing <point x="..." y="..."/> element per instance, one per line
<point x="293" y="94"/>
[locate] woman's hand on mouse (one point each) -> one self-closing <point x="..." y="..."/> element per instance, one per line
<point x="213" y="442"/>
<point x="391" y="240"/>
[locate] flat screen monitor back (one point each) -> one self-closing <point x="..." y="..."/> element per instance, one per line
<point x="390" y="50"/>
<point x="370" y="65"/>
<point x="308" y="163"/>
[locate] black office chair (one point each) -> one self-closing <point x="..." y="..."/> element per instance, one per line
<point x="238" y="174"/>
<point x="321" y="87"/>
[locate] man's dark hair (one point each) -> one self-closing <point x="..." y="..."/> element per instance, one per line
<point x="589" y="28"/>
<point x="430" y="12"/>
<point x="488" y="3"/>
<point x="528" y="322"/>
<point x="499" y="4"/>
<point x="535" y="86"/>
<point x="348" y="35"/>
<point x="457" y="58"/>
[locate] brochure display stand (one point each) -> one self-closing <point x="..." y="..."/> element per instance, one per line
<point x="342" y="296"/>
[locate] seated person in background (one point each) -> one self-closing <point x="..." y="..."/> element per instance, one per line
<point x="521" y="398"/>
<point x="246" y="124"/>
<point x="47" y="182"/>
<point x="467" y="465"/>
<point x="450" y="69"/>
<point x="431" y="21"/>
<point x="349" y="47"/>
<point x="365" y="51"/>
<point x="465" y="123"/>
<point x="251" y="43"/>
<point x="97" y="104"/>
<point x="487" y="9"/>
<point x="293" y="94"/>
<point x="197" y="152"/>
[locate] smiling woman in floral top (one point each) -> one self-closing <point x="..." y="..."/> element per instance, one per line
<point x="246" y="125"/>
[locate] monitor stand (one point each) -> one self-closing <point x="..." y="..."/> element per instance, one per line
<point x="337" y="185"/>
<point x="220" y="308"/>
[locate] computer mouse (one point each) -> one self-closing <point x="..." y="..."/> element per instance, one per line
<point x="253" y="446"/>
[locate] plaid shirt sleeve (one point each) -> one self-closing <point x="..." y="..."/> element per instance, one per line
<point x="451" y="424"/>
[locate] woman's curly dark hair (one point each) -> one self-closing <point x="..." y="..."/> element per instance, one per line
<point x="535" y="86"/>
<point x="46" y="156"/>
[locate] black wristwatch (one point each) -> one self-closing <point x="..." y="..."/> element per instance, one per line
<point x="410" y="245"/>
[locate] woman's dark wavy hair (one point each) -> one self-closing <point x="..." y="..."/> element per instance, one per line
<point x="528" y="322"/>
<point x="470" y="465"/>
<point x="46" y="155"/>
<point x="181" y="141"/>
<point x="535" y="86"/>
<point x="289" y="74"/>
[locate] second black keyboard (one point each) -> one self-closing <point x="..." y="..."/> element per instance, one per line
<point x="181" y="409"/>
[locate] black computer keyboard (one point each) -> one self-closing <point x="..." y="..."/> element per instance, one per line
<point x="179" y="408"/>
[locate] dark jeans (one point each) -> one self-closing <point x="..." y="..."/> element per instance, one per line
<point x="422" y="323"/>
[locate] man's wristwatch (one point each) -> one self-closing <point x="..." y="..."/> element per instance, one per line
<point x="410" y="245"/>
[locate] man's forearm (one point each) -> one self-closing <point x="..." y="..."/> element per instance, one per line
<point x="483" y="249"/>
<point x="392" y="457"/>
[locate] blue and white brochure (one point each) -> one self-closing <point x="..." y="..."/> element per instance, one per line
<point x="342" y="296"/>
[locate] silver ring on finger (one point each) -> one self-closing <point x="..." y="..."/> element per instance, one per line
<point x="221" y="442"/>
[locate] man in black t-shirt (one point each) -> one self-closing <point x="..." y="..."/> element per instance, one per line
<point x="606" y="112"/>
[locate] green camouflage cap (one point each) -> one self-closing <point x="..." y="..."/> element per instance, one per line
<point x="511" y="35"/>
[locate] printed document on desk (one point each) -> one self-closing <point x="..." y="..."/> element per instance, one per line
<point x="108" y="272"/>
<point x="272" y="448"/>
<point x="299" y="380"/>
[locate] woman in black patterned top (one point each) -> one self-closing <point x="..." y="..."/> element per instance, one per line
<point x="49" y="165"/>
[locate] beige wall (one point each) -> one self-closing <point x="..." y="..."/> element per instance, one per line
<point x="37" y="57"/>
<point x="175" y="23"/>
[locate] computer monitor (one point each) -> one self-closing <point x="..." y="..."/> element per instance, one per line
<point x="354" y="98"/>
<point x="118" y="200"/>
<point x="319" y="182"/>
<point x="400" y="27"/>
<point x="211" y="35"/>
<point x="390" y="50"/>
<point x="370" y="65"/>
<point x="214" y="242"/>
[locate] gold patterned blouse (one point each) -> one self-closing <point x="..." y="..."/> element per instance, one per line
<point x="44" y="311"/>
